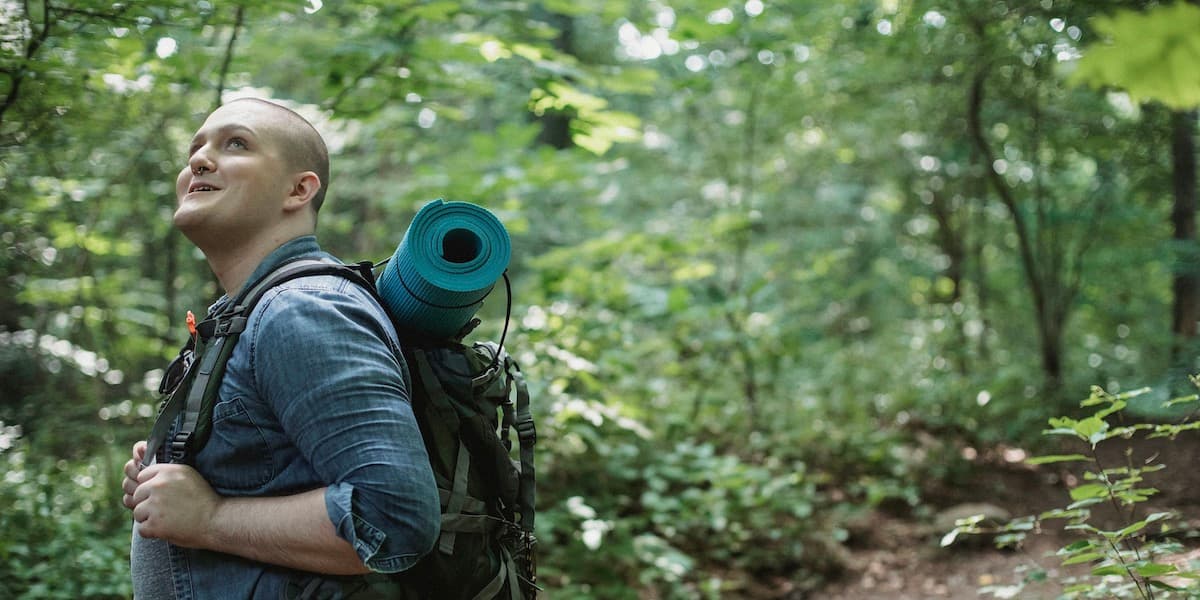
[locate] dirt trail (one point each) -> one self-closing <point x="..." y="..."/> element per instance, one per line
<point x="901" y="560"/>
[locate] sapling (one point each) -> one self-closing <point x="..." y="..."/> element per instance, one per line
<point x="1136" y="558"/>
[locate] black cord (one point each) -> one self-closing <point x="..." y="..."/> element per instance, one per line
<point x="507" y="318"/>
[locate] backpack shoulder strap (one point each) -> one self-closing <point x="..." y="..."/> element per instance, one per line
<point x="193" y="400"/>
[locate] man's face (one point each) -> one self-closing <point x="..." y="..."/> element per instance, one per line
<point x="235" y="180"/>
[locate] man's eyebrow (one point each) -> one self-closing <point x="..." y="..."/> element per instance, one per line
<point x="222" y="130"/>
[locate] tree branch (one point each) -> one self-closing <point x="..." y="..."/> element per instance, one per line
<point x="975" y="129"/>
<point x="237" y="26"/>
<point x="371" y="69"/>
<point x="113" y="17"/>
<point x="35" y="44"/>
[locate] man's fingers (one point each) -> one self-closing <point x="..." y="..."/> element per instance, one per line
<point x="132" y="468"/>
<point x="132" y="472"/>
<point x="146" y="474"/>
<point x="141" y="512"/>
<point x="139" y="488"/>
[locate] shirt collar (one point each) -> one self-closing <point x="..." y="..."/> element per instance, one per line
<point x="300" y="247"/>
<point x="304" y="246"/>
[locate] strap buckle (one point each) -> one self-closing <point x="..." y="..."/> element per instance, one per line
<point x="230" y="326"/>
<point x="483" y="379"/>
<point x="526" y="432"/>
<point x="178" y="448"/>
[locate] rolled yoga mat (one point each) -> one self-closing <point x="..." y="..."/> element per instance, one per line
<point x="450" y="258"/>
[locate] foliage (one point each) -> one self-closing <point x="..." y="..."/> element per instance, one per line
<point x="682" y="522"/>
<point x="1148" y="54"/>
<point x="1140" y="555"/>
<point x="764" y="251"/>
<point x="62" y="538"/>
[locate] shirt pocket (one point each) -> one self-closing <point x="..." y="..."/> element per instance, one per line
<point x="237" y="457"/>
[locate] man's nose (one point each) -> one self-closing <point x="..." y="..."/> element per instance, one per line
<point x="200" y="162"/>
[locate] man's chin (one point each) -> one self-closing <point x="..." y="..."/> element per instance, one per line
<point x="188" y="222"/>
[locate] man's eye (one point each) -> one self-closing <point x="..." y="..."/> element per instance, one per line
<point x="236" y="143"/>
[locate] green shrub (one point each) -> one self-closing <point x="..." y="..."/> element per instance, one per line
<point x="1137" y="557"/>
<point x="65" y="534"/>
<point x="622" y="515"/>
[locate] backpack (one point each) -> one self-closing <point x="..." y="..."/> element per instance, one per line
<point x="466" y="400"/>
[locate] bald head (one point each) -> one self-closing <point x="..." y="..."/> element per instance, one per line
<point x="299" y="143"/>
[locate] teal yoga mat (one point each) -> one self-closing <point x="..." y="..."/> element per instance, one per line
<point x="449" y="260"/>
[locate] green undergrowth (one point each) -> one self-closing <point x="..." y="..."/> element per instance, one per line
<point x="1123" y="545"/>
<point x="65" y="534"/>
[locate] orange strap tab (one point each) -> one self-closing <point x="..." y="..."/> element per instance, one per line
<point x="191" y="323"/>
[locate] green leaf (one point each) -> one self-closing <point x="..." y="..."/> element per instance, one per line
<point x="1060" y="431"/>
<point x="1075" y="547"/>
<point x="678" y="299"/>
<point x="1181" y="400"/>
<point x="1056" y="458"/>
<point x="1084" y="503"/>
<point x="1082" y="558"/>
<point x="1149" y="54"/>
<point x="1098" y="396"/>
<point x="1116" y="406"/>
<point x="1109" y="570"/>
<point x="434" y="11"/>
<point x="1090" y="429"/>
<point x="1154" y="569"/>
<point x="567" y="7"/>
<point x="949" y="538"/>
<point x="1089" y="491"/>
<point x="1133" y="393"/>
<point x="1162" y="585"/>
<point x="1131" y="529"/>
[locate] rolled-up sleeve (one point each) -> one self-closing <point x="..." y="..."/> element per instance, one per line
<point x="322" y="361"/>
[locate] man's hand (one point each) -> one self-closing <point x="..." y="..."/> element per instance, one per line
<point x="173" y="502"/>
<point x="132" y="468"/>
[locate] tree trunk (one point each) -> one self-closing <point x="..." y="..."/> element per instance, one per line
<point x="1051" y="341"/>
<point x="978" y="187"/>
<point x="950" y="240"/>
<point x="1041" y="282"/>
<point x="1186" y="311"/>
<point x="556" y="125"/>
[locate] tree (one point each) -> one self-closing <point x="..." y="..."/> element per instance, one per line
<point x="1147" y="53"/>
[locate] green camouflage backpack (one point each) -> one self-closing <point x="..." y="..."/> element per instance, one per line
<point x="467" y="400"/>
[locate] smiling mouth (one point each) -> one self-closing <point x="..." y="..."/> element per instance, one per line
<point x="202" y="188"/>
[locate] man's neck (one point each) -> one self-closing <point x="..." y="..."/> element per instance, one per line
<point x="233" y="264"/>
<point x="232" y="269"/>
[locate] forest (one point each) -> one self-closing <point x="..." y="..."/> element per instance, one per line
<point x="792" y="280"/>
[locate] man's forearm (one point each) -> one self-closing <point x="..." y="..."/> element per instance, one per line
<point x="291" y="531"/>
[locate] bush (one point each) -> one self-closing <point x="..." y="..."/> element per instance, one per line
<point x="626" y="515"/>
<point x="1139" y="556"/>
<point x="65" y="533"/>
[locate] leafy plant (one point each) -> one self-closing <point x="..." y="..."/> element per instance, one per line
<point x="1138" y="556"/>
<point x="65" y="535"/>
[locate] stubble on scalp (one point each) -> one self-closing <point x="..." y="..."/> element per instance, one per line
<point x="300" y="144"/>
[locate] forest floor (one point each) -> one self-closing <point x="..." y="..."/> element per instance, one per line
<point x="899" y="558"/>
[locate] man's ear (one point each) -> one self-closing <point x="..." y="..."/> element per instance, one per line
<point x="305" y="186"/>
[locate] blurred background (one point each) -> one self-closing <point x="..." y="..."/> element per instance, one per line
<point x="780" y="267"/>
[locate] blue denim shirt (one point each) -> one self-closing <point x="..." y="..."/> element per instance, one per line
<point x="316" y="394"/>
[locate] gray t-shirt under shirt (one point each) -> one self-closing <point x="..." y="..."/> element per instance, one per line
<point x="150" y="566"/>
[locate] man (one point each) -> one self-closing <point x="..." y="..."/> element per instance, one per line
<point x="315" y="468"/>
